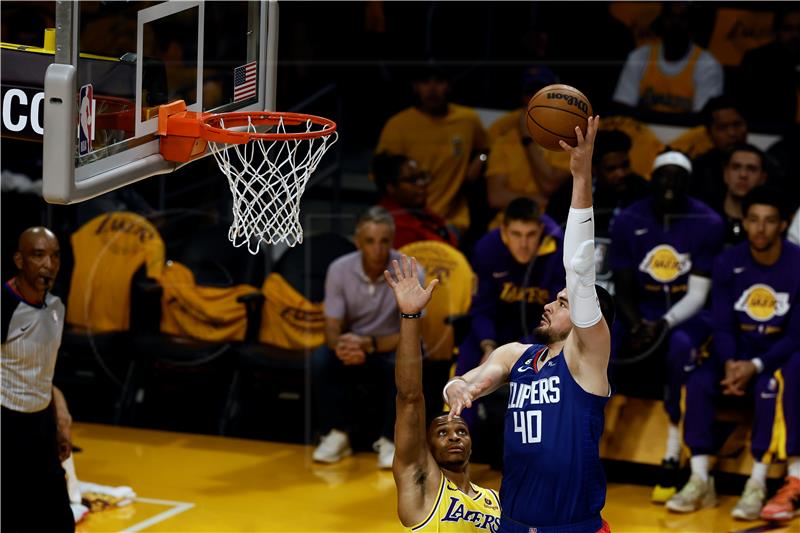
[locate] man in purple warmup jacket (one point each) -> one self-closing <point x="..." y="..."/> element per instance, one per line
<point x="519" y="271"/>
<point x="661" y="255"/>
<point x="756" y="350"/>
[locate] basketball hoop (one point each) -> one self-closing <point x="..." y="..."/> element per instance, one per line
<point x="267" y="172"/>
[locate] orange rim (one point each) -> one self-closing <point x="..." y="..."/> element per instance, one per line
<point x="214" y="130"/>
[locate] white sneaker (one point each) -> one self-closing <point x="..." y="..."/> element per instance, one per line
<point x="749" y="505"/>
<point x="333" y="447"/>
<point x="695" y="495"/>
<point x="385" y="449"/>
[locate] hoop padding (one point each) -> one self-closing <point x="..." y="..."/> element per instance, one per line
<point x="268" y="172"/>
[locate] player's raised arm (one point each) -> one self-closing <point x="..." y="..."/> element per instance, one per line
<point x="416" y="473"/>
<point x="590" y="336"/>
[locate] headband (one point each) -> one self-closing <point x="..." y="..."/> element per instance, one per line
<point x="673" y="158"/>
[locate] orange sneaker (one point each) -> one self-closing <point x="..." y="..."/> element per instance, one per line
<point x="785" y="505"/>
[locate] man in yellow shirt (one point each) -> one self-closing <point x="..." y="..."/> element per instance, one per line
<point x="517" y="165"/>
<point x="446" y="139"/>
<point x="671" y="75"/>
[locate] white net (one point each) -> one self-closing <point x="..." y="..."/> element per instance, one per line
<point x="267" y="178"/>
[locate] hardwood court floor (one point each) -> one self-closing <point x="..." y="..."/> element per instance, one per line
<point x="213" y="484"/>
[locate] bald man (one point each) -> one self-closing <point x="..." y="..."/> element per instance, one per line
<point x="34" y="491"/>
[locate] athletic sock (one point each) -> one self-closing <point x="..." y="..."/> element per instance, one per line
<point x="759" y="473"/>
<point x="794" y="466"/>
<point x="699" y="464"/>
<point x="673" y="443"/>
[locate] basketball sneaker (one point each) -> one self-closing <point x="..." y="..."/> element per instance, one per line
<point x="695" y="495"/>
<point x="785" y="505"/>
<point x="332" y="447"/>
<point x="385" y="449"/>
<point x="667" y="484"/>
<point x="750" y="503"/>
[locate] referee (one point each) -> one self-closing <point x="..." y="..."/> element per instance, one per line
<point x="34" y="490"/>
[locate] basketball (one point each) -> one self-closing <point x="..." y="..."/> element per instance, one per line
<point x="554" y="112"/>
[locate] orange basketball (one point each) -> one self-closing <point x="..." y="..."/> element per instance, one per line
<point x="554" y="112"/>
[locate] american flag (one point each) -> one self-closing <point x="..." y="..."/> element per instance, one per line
<point x="244" y="82"/>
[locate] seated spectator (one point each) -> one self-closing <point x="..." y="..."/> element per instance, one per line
<point x="403" y="187"/>
<point x="744" y="171"/>
<point x="773" y="65"/>
<point x="446" y="139"/>
<point x="519" y="270"/>
<point x="518" y="166"/>
<point x="727" y="128"/>
<point x="615" y="187"/>
<point x="362" y="326"/>
<point x="645" y="144"/>
<point x="673" y="74"/>
<point x="756" y="351"/>
<point x="662" y="266"/>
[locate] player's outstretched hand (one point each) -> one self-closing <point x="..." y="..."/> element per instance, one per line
<point x="404" y="281"/>
<point x="460" y="395"/>
<point x="580" y="156"/>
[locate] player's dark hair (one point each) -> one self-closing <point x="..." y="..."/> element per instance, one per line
<point x="607" y="306"/>
<point x="523" y="209"/>
<point x="608" y="142"/>
<point x="386" y="168"/>
<point x="717" y="103"/>
<point x="743" y="147"/>
<point x="765" y="195"/>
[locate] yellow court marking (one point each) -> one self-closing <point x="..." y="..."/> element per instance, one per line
<point x="212" y="484"/>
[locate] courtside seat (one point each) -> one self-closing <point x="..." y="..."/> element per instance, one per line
<point x="284" y="326"/>
<point x="195" y="315"/>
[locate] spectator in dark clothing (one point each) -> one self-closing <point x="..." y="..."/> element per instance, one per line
<point x="744" y="171"/>
<point x="727" y="127"/>
<point x="404" y="190"/>
<point x="769" y="79"/>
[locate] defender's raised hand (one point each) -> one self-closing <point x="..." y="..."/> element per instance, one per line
<point x="404" y="281"/>
<point x="580" y="156"/>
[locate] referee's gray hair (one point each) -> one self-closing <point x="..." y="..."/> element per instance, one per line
<point x="377" y="215"/>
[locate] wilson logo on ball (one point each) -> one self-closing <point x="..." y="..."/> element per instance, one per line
<point x="571" y="100"/>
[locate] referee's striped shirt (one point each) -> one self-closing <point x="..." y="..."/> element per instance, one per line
<point x="31" y="335"/>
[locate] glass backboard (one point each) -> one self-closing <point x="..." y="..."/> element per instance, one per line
<point x="117" y="62"/>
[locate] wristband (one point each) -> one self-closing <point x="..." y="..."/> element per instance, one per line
<point x="418" y="314"/>
<point x="527" y="141"/>
<point x="758" y="363"/>
<point x="444" y="390"/>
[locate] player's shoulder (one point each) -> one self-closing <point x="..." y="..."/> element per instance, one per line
<point x="490" y="243"/>
<point x="732" y="258"/>
<point x="404" y="116"/>
<point x="511" y="352"/>
<point x="458" y="111"/>
<point x="54" y="302"/>
<point x="642" y="53"/>
<point x="698" y="207"/>
<point x="638" y="210"/>
<point x="344" y="262"/>
<point x="792" y="250"/>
